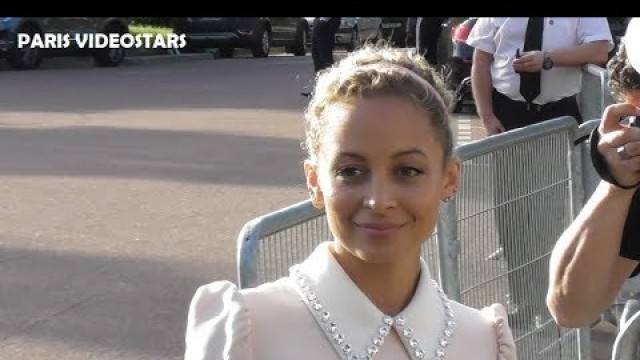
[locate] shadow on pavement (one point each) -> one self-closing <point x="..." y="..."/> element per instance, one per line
<point x="184" y="156"/>
<point x="115" y="304"/>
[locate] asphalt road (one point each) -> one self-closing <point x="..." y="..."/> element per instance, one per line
<point x="124" y="189"/>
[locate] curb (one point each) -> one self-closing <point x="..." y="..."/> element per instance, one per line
<point x="146" y="59"/>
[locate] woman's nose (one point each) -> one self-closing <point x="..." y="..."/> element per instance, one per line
<point x="379" y="195"/>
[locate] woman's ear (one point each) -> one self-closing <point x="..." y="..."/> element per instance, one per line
<point x="311" y="174"/>
<point x="451" y="178"/>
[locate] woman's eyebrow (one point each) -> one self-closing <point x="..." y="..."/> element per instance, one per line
<point x="350" y="154"/>
<point x="414" y="151"/>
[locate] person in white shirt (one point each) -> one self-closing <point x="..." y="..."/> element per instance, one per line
<point x="380" y="162"/>
<point x="567" y="44"/>
<point x="525" y="71"/>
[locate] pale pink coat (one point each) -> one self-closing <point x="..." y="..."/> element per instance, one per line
<point x="274" y="322"/>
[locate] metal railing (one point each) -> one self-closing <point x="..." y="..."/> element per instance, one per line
<point x="517" y="194"/>
<point x="269" y="244"/>
<point x="594" y="96"/>
<point x="627" y="341"/>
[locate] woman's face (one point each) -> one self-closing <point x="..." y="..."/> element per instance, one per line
<point x="380" y="175"/>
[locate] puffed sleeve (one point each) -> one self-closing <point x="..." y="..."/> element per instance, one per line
<point x="218" y="324"/>
<point x="497" y="314"/>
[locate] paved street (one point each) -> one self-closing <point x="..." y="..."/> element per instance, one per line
<point x="123" y="189"/>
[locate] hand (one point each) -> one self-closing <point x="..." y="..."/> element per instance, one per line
<point x="613" y="135"/>
<point x="530" y="61"/>
<point x="492" y="125"/>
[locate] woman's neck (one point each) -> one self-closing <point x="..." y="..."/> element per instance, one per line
<point x="390" y="286"/>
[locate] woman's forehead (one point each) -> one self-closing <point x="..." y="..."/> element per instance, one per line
<point x="373" y="124"/>
<point x="378" y="103"/>
<point x="367" y="114"/>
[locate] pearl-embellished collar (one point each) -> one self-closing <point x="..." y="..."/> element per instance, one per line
<point x="355" y="327"/>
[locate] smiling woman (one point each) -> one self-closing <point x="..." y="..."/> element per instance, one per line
<point x="380" y="162"/>
<point x="381" y="195"/>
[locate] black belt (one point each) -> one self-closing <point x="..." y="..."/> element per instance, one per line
<point x="537" y="108"/>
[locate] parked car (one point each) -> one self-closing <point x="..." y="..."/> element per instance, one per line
<point x="259" y="34"/>
<point x="355" y="31"/>
<point x="30" y="57"/>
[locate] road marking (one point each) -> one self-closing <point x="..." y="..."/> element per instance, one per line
<point x="464" y="130"/>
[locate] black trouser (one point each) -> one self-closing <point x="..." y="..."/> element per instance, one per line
<point x="514" y="114"/>
<point x="323" y="42"/>
<point x="430" y="29"/>
<point x="526" y="216"/>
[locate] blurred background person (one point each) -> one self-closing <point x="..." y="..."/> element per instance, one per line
<point x="322" y="44"/>
<point x="428" y="30"/>
<point x="323" y="41"/>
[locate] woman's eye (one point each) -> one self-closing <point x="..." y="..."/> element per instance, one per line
<point x="409" y="171"/>
<point x="348" y="172"/>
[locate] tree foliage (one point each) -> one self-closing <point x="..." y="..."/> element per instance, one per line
<point x="153" y="21"/>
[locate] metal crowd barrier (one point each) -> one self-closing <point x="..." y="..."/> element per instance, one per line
<point x="626" y="344"/>
<point x="270" y="244"/>
<point x="594" y="95"/>
<point x="590" y="177"/>
<point x="517" y="195"/>
<point x="593" y="98"/>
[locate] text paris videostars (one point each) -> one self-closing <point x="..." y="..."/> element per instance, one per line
<point x="101" y="41"/>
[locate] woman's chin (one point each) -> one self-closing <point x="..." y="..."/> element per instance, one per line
<point x="373" y="251"/>
<point x="378" y="253"/>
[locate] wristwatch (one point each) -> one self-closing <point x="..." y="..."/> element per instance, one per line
<point x="547" y="63"/>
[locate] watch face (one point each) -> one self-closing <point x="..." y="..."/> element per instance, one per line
<point x="547" y="63"/>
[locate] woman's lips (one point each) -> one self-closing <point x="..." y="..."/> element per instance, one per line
<point x="380" y="229"/>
